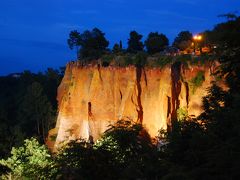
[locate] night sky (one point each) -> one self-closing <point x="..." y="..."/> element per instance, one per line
<point x="33" y="33"/>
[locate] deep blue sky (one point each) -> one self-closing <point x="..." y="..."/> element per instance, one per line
<point x="33" y="33"/>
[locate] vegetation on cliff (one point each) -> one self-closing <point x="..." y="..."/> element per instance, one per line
<point x="197" y="81"/>
<point x="91" y="47"/>
<point x="157" y="60"/>
<point x="92" y="44"/>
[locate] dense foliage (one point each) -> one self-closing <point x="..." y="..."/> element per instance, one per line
<point x="125" y="151"/>
<point x="28" y="161"/>
<point x="28" y="107"/>
<point x="91" y="44"/>
<point x="156" y="42"/>
<point x="183" y="40"/>
<point x="134" y="42"/>
<point x="197" y="81"/>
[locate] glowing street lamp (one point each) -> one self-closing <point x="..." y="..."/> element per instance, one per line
<point x="196" y="38"/>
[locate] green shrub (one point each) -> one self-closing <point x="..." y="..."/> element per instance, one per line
<point x="197" y="81"/>
<point x="159" y="61"/>
<point x="30" y="161"/>
<point x="202" y="59"/>
<point x="156" y="60"/>
<point x="107" y="58"/>
<point x="184" y="57"/>
<point x="140" y="59"/>
<point x="125" y="61"/>
<point x="182" y="113"/>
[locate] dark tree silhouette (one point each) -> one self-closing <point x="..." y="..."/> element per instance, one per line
<point x="36" y="110"/>
<point x="93" y="43"/>
<point x="134" y="42"/>
<point x="156" y="42"/>
<point x="183" y="40"/>
<point x="120" y="45"/>
<point x="116" y="48"/>
<point x="74" y="40"/>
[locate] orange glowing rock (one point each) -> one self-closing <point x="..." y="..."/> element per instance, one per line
<point x="92" y="97"/>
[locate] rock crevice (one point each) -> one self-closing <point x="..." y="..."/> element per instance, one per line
<point x="139" y="107"/>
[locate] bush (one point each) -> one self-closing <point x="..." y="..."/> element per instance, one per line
<point x="197" y="81"/>
<point x="202" y="59"/>
<point x="159" y="61"/>
<point x="31" y="160"/>
<point x="132" y="151"/>
<point x="125" y="151"/>
<point x="107" y="59"/>
<point x="182" y="113"/>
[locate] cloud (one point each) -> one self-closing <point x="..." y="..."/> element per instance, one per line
<point x="172" y="14"/>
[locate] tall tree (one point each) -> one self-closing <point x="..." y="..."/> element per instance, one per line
<point x="134" y="42"/>
<point x="120" y="45"/>
<point x="213" y="139"/>
<point x="15" y="124"/>
<point x="116" y="48"/>
<point x="226" y="37"/>
<point x="74" y="40"/>
<point x="183" y="40"/>
<point x="35" y="112"/>
<point x="156" y="42"/>
<point x="93" y="43"/>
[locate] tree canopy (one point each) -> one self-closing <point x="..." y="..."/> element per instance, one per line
<point x="156" y="42"/>
<point x="134" y="42"/>
<point x="74" y="39"/>
<point x="91" y="44"/>
<point x="116" y="48"/>
<point x="183" y="40"/>
<point x="28" y="107"/>
<point x="36" y="110"/>
<point x="32" y="160"/>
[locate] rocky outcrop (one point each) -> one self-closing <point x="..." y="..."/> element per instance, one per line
<point x="92" y="97"/>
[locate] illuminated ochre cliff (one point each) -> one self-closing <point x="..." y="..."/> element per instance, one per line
<point x="91" y="97"/>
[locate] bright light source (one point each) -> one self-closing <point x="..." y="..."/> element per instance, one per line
<point x="197" y="37"/>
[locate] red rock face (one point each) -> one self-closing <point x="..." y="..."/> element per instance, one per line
<point x="92" y="97"/>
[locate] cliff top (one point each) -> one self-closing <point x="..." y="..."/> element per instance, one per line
<point x="144" y="60"/>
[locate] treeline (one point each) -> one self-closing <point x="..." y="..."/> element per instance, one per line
<point x="28" y="107"/>
<point x="92" y="44"/>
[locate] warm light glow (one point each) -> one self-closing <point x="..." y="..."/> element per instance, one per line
<point x="197" y="37"/>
